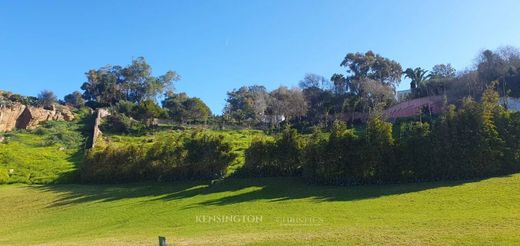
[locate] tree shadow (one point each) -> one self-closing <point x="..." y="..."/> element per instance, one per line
<point x="81" y="193"/>
<point x="277" y="190"/>
<point x="237" y="190"/>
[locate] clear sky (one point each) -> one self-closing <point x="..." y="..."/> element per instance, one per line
<point x="218" y="45"/>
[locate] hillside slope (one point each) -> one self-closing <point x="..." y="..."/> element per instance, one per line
<point x="292" y="213"/>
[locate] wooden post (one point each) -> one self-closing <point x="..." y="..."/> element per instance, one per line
<point x="162" y="241"/>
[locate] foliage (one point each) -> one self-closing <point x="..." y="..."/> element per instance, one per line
<point x="74" y="99"/>
<point x="47" y="98"/>
<point x="196" y="156"/>
<point x="282" y="157"/>
<point x="417" y="76"/>
<point x="61" y="133"/>
<point x="246" y="103"/>
<point x="371" y="66"/>
<point x="333" y="160"/>
<point x="120" y="123"/>
<point x="443" y="71"/>
<point x="147" y="110"/>
<point x="182" y="108"/>
<point x="478" y="140"/>
<point x="135" y="83"/>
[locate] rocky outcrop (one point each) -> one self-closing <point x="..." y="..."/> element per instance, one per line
<point x="9" y="116"/>
<point x="20" y="116"/>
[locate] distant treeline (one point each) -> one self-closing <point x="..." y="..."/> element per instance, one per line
<point x="369" y="82"/>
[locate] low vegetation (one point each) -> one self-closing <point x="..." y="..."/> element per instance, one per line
<point x="48" y="154"/>
<point x="187" y="156"/>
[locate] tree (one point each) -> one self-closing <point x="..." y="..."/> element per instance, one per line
<point x="182" y="108"/>
<point x="373" y="66"/>
<point x="286" y="104"/>
<point x="174" y="103"/>
<point x="135" y="83"/>
<point x="340" y="83"/>
<point x="247" y="103"/>
<point x="442" y="71"/>
<point x="47" y="98"/>
<point x="490" y="66"/>
<point x="74" y="99"/>
<point x="371" y="80"/>
<point x="313" y="81"/>
<point x="373" y="94"/>
<point x="502" y="65"/>
<point x="417" y="76"/>
<point x="147" y="110"/>
<point x="196" y="110"/>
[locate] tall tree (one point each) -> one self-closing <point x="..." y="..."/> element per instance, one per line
<point x="373" y="66"/>
<point x="247" y="103"/>
<point x="135" y="83"/>
<point x="286" y="103"/>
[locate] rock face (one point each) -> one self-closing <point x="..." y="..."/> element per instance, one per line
<point x="20" y="116"/>
<point x="9" y="117"/>
<point x="96" y="132"/>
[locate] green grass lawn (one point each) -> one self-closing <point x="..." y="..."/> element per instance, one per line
<point x="287" y="212"/>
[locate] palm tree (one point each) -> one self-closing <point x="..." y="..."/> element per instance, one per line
<point x="417" y="75"/>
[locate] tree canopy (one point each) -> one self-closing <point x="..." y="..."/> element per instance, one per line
<point x="135" y="83"/>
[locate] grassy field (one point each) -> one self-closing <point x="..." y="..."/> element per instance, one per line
<point x="285" y="212"/>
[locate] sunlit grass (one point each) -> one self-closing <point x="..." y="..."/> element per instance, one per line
<point x="478" y="212"/>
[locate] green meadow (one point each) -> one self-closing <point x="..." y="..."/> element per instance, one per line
<point x="287" y="212"/>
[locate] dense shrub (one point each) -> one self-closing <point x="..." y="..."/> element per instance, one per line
<point x="414" y="152"/>
<point x="334" y="160"/>
<point x="282" y="157"/>
<point x="195" y="156"/>
<point x="377" y="157"/>
<point x="120" y="123"/>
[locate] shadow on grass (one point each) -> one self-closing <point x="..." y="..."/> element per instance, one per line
<point x="233" y="191"/>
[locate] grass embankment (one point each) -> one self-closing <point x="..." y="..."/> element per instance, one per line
<point x="52" y="153"/>
<point x="292" y="213"/>
<point x="48" y="154"/>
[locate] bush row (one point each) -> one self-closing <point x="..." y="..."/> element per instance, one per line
<point x="477" y="140"/>
<point x="195" y="156"/>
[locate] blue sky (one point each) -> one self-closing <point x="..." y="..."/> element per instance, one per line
<point x="219" y="45"/>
